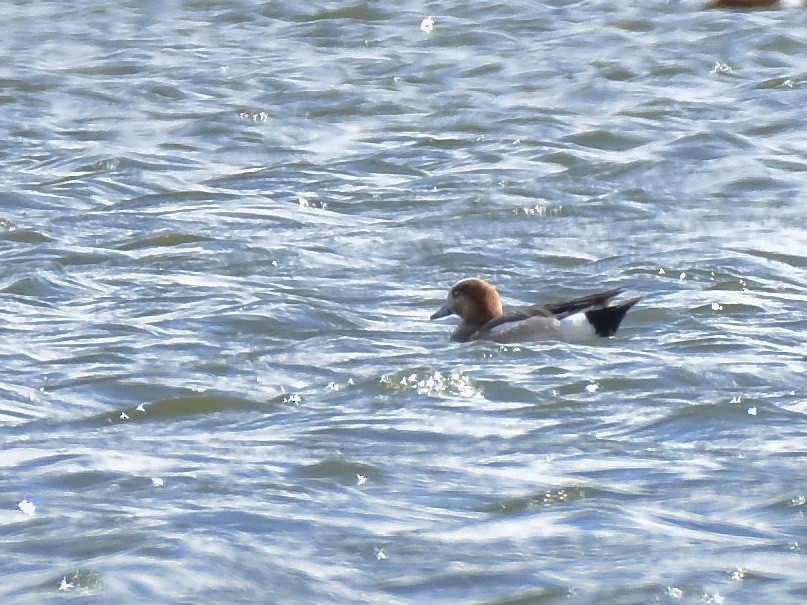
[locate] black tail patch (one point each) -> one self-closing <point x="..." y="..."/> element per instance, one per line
<point x="606" y="320"/>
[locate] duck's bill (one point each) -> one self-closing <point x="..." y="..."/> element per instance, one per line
<point x="441" y="312"/>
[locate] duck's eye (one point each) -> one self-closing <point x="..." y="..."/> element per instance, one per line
<point x="455" y="293"/>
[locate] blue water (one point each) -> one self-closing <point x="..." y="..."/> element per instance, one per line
<point x="224" y="226"/>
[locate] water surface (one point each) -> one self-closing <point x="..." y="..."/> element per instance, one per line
<point x="224" y="225"/>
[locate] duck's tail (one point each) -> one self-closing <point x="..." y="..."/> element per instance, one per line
<point x="607" y="319"/>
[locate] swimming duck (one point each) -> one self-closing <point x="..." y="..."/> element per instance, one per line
<point x="480" y="308"/>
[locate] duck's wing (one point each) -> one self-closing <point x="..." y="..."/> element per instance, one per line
<point x="516" y="315"/>
<point x="593" y="301"/>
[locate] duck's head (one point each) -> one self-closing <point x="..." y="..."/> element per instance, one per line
<point x="474" y="300"/>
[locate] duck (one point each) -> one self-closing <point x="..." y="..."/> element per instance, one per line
<point x="482" y="317"/>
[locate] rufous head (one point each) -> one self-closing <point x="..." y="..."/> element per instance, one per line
<point x="474" y="300"/>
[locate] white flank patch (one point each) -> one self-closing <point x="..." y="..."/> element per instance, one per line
<point x="575" y="327"/>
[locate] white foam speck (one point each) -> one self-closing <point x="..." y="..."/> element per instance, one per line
<point x="27" y="507"/>
<point x="721" y="68"/>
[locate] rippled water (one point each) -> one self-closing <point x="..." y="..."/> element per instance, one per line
<point x="224" y="226"/>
